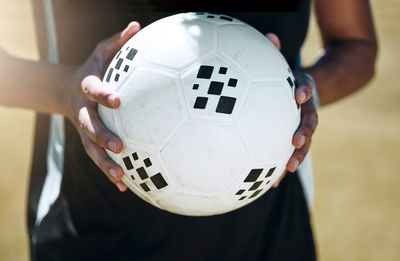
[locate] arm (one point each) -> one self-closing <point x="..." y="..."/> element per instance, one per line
<point x="350" y="48"/>
<point x="32" y="85"/>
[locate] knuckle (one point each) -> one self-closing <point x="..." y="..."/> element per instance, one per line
<point x="303" y="151"/>
<point x="308" y="128"/>
<point x="314" y="119"/>
<point x="87" y="85"/>
<point x="100" y="137"/>
<point x="302" y="154"/>
<point x="89" y="148"/>
<point x="82" y="119"/>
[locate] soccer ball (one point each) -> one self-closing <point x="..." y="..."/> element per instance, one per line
<point x="207" y="113"/>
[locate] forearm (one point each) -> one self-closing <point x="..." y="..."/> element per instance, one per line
<point x="33" y="85"/>
<point x="348" y="34"/>
<point x="346" y="67"/>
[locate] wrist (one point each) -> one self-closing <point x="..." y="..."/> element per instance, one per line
<point x="64" y="88"/>
<point x="315" y="96"/>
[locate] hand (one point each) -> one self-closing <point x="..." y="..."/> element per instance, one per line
<point x="83" y="95"/>
<point x="309" y="118"/>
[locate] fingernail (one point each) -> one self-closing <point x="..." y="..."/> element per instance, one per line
<point x="295" y="163"/>
<point x="121" y="186"/>
<point x="112" y="100"/>
<point x="302" y="139"/>
<point x="113" y="173"/>
<point x="302" y="96"/>
<point x="112" y="145"/>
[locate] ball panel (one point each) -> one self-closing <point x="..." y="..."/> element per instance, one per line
<point x="176" y="41"/>
<point x="254" y="56"/>
<point x="106" y="116"/>
<point x="289" y="81"/>
<point x="254" y="183"/>
<point x="151" y="107"/>
<point x="144" y="172"/>
<point x="205" y="157"/>
<point x="194" y="205"/>
<point x="266" y="122"/>
<point x="214" y="89"/>
<point x="120" y="66"/>
<point x="117" y="72"/>
<point x="217" y="18"/>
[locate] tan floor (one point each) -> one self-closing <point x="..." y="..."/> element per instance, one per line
<point x="355" y="151"/>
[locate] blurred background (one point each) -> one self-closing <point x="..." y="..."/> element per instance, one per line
<point x="355" y="150"/>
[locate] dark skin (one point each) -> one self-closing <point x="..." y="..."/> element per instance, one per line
<point x="75" y="91"/>
<point x="351" y="48"/>
<point x="350" y="44"/>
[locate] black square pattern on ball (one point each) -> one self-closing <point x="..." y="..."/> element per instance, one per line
<point x="270" y="171"/>
<point x="158" y="181"/>
<point x="110" y="71"/>
<point x="144" y="169"/>
<point x="145" y="187"/>
<point x="253" y="175"/>
<point x="132" y="53"/>
<point x="255" y="193"/>
<point x="147" y="162"/>
<point x="226" y="104"/>
<point x="142" y="173"/>
<point x="257" y="185"/>
<point x="240" y="192"/>
<point x="205" y="72"/>
<point x="215" y="88"/>
<point x="128" y="163"/>
<point x="119" y="66"/>
<point x="215" y="16"/>
<point x="200" y="103"/>
<point x="119" y="63"/>
<point x="225" y="18"/>
<point x="222" y="70"/>
<point x="232" y="82"/>
<point x="289" y="80"/>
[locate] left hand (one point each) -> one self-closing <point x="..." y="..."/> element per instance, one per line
<point x="309" y="118"/>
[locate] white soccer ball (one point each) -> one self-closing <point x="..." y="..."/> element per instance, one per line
<point x="207" y="113"/>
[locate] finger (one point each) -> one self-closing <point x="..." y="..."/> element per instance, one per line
<point x="298" y="157"/>
<point x="112" y="171"/>
<point x="93" y="88"/>
<point x="274" y="39"/>
<point x="309" y="122"/>
<point x="91" y="125"/>
<point x="303" y="93"/>
<point x="276" y="184"/>
<point x="129" y="31"/>
<point x="114" y="43"/>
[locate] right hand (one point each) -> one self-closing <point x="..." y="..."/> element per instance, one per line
<point x="84" y="93"/>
